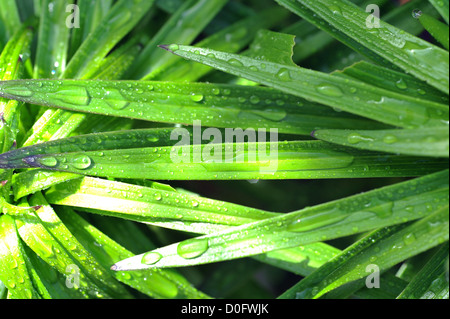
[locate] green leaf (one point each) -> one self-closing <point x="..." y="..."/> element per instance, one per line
<point x="122" y="17"/>
<point x="83" y="259"/>
<point x="214" y="105"/>
<point x="275" y="160"/>
<point x="231" y="39"/>
<point x="173" y="210"/>
<point x="184" y="25"/>
<point x="433" y="142"/>
<point x="91" y="13"/>
<point x="383" y="207"/>
<point x="48" y="248"/>
<point x="11" y="62"/>
<point x="13" y="271"/>
<point x="436" y="28"/>
<point x="442" y="7"/>
<point x="344" y="94"/>
<point x="412" y="54"/>
<point x="164" y="284"/>
<point x="51" y="55"/>
<point x="149" y="205"/>
<point x="376" y="252"/>
<point x="393" y="81"/>
<point x="431" y="282"/>
<point x="9" y="16"/>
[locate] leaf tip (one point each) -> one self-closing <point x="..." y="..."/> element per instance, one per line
<point x="164" y="46"/>
<point x="170" y="47"/>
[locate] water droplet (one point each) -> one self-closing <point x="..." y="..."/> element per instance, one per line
<point x="192" y="248"/>
<point x="81" y="162"/>
<point x="401" y="84"/>
<point x="254" y="100"/>
<point x="317" y="220"/>
<point x="151" y="258"/>
<point x="74" y="95"/>
<point x="409" y="239"/>
<point x="115" y="99"/>
<point x="390" y="139"/>
<point x="356" y="138"/>
<point x="197" y="97"/>
<point x="284" y="74"/>
<point x="275" y="115"/>
<point x="235" y="62"/>
<point x="384" y="210"/>
<point x="152" y="138"/>
<point x="416" y="13"/>
<point x="174" y="47"/>
<point x="195" y="203"/>
<point x="48" y="161"/>
<point x="330" y="90"/>
<point x="158" y="196"/>
<point x="335" y="9"/>
<point x="421" y="91"/>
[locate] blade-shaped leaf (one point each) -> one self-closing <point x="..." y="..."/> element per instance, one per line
<point x="383" y="207"/>
<point x="442" y="7"/>
<point x="344" y="94"/>
<point x="412" y="54"/>
<point x="51" y="55"/>
<point x="155" y="283"/>
<point x="431" y="282"/>
<point x="275" y="160"/>
<point x="184" y="25"/>
<point x="378" y="251"/>
<point x="417" y="142"/>
<point x="122" y="17"/>
<point x="13" y="271"/>
<point x="213" y="104"/>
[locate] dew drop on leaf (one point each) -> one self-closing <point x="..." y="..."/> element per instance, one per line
<point x="48" y="161"/>
<point x="235" y="62"/>
<point x="390" y="139"/>
<point x="192" y="248"/>
<point x="197" y="97"/>
<point x="356" y="138"/>
<point x="401" y="84"/>
<point x="330" y="90"/>
<point x="75" y="95"/>
<point x="115" y="99"/>
<point x="151" y="258"/>
<point x="284" y="75"/>
<point x="174" y="47"/>
<point x="81" y="162"/>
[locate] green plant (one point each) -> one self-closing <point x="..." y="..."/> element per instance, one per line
<point x="89" y="114"/>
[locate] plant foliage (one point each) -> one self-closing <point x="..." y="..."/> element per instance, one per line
<point x="93" y="204"/>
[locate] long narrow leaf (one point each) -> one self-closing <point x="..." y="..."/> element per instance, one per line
<point x="213" y="104"/>
<point x="412" y="54"/>
<point x="345" y="94"/>
<point x="381" y="249"/>
<point x="375" y="209"/>
<point x="417" y="142"/>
